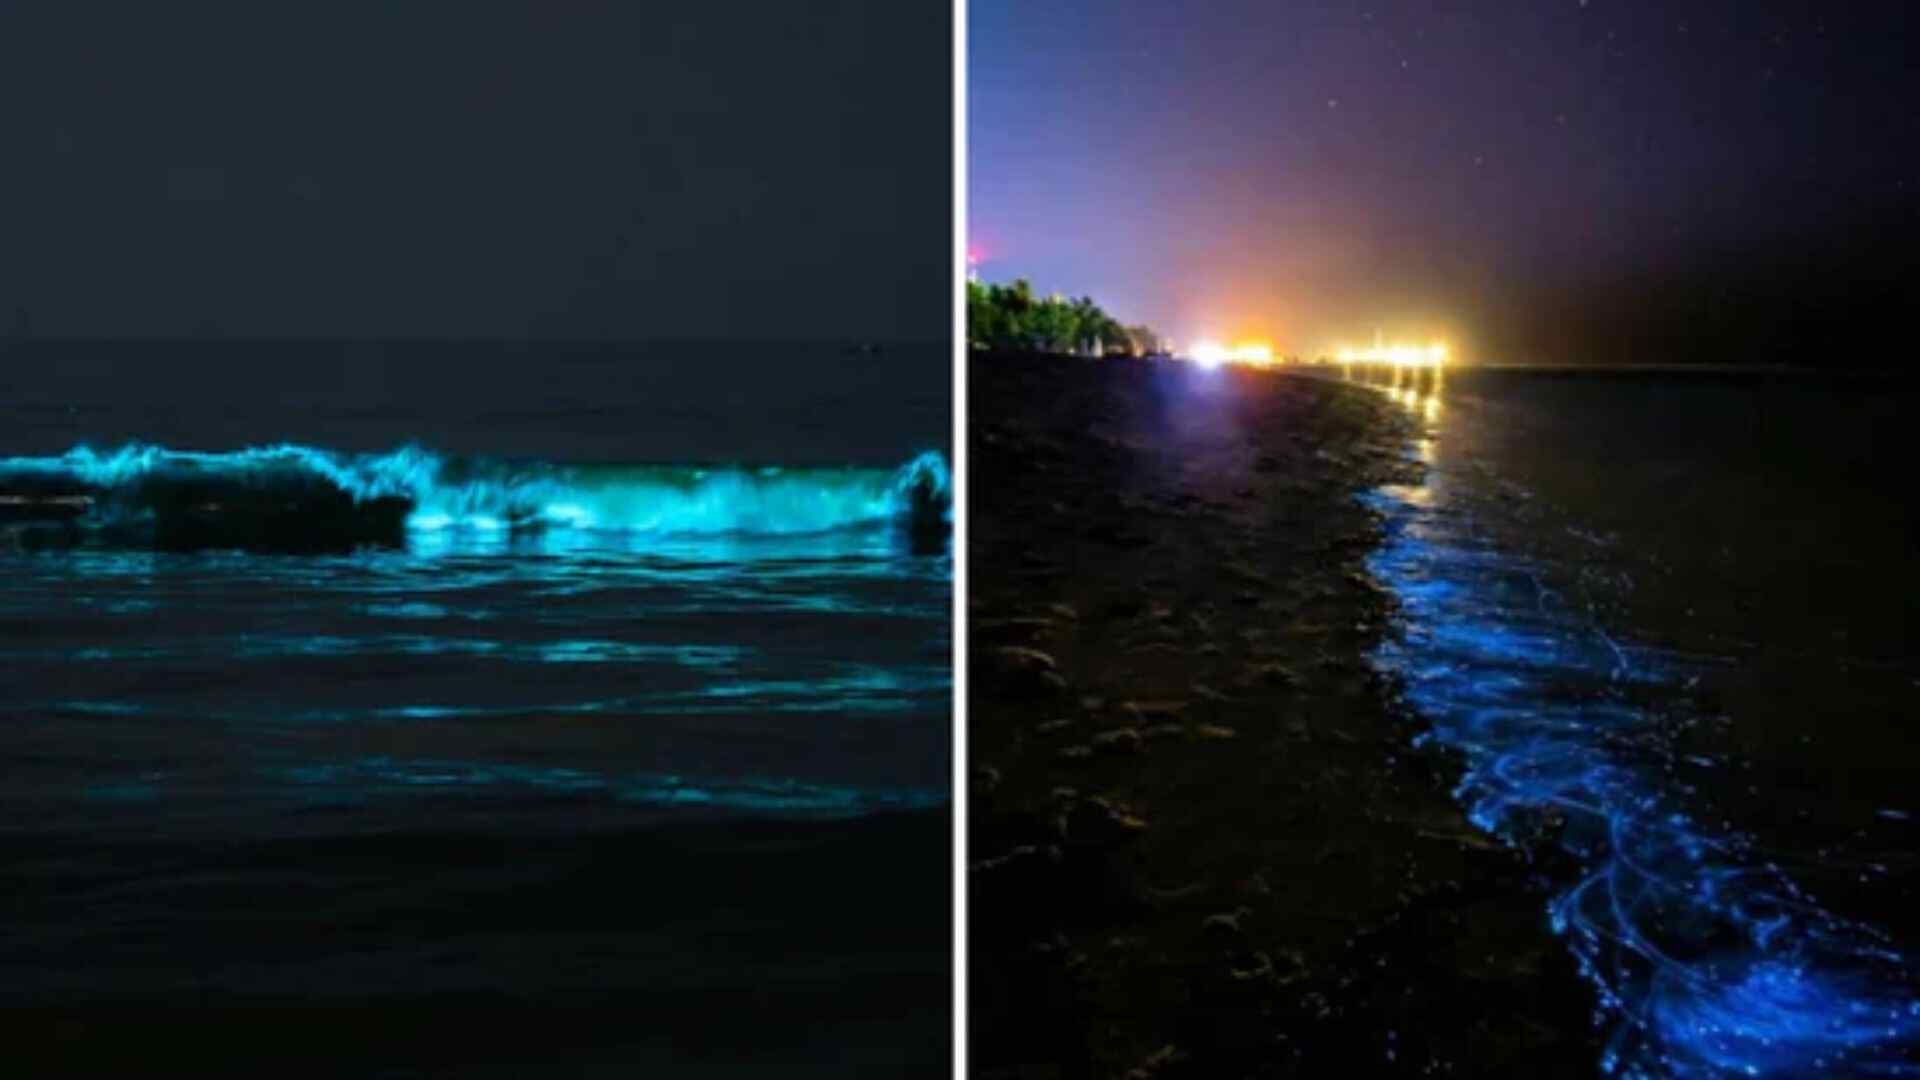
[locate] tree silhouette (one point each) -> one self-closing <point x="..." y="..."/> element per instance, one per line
<point x="1009" y="318"/>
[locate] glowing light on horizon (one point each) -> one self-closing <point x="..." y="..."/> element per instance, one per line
<point x="1212" y="354"/>
<point x="1397" y="356"/>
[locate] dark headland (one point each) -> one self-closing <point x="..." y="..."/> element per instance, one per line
<point x="1201" y="842"/>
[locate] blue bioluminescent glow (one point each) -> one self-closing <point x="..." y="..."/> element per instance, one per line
<point x="288" y="493"/>
<point x="1708" y="960"/>
<point x="361" y="778"/>
<point x="296" y="630"/>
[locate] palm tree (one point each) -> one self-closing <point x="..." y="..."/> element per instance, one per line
<point x="1086" y="320"/>
<point x="1010" y="317"/>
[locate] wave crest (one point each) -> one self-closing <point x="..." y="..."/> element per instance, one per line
<point x="302" y="497"/>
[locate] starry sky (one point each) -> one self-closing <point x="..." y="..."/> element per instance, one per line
<point x="1552" y="181"/>
<point x="602" y="169"/>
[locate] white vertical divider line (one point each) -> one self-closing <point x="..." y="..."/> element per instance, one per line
<point x="959" y="538"/>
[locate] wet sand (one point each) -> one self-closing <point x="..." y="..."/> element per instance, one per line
<point x="1201" y="844"/>
<point x="708" y="950"/>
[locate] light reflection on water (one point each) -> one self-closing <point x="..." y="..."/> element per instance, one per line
<point x="804" y="674"/>
<point x="257" y="646"/>
<point x="1708" y="959"/>
<point x="367" y="777"/>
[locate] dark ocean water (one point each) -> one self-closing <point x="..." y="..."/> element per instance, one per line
<point x="1666" y="621"/>
<point x="252" y="591"/>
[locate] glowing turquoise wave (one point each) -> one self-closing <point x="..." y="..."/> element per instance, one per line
<point x="262" y="493"/>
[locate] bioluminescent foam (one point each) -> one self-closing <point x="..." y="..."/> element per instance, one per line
<point x="1708" y="960"/>
<point x="306" y="497"/>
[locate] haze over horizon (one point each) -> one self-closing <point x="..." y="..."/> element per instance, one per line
<point x="1574" y="181"/>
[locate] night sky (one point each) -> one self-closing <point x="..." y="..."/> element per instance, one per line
<point x="1553" y="181"/>
<point x="739" y="169"/>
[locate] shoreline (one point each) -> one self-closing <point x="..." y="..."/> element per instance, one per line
<point x="1202" y="844"/>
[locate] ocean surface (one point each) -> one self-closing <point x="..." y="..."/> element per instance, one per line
<point x="259" y="590"/>
<point x="1665" y="621"/>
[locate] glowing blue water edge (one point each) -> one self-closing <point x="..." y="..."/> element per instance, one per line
<point x="291" y="492"/>
<point x="1708" y="960"/>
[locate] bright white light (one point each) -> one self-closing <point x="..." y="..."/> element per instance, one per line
<point x="1211" y="354"/>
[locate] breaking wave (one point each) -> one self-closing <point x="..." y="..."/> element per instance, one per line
<point x="292" y="497"/>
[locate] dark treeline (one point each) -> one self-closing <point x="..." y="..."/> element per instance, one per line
<point x="1010" y="318"/>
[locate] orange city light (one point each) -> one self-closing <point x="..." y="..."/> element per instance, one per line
<point x="1400" y="356"/>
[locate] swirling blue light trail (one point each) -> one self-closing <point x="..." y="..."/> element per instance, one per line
<point x="1708" y="960"/>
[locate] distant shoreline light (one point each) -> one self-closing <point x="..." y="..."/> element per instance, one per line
<point x="1211" y="354"/>
<point x="1434" y="355"/>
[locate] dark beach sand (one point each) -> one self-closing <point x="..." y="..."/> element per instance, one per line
<point x="764" y="948"/>
<point x="1201" y="845"/>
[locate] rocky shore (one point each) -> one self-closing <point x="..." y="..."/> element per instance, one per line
<point x="1201" y="842"/>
